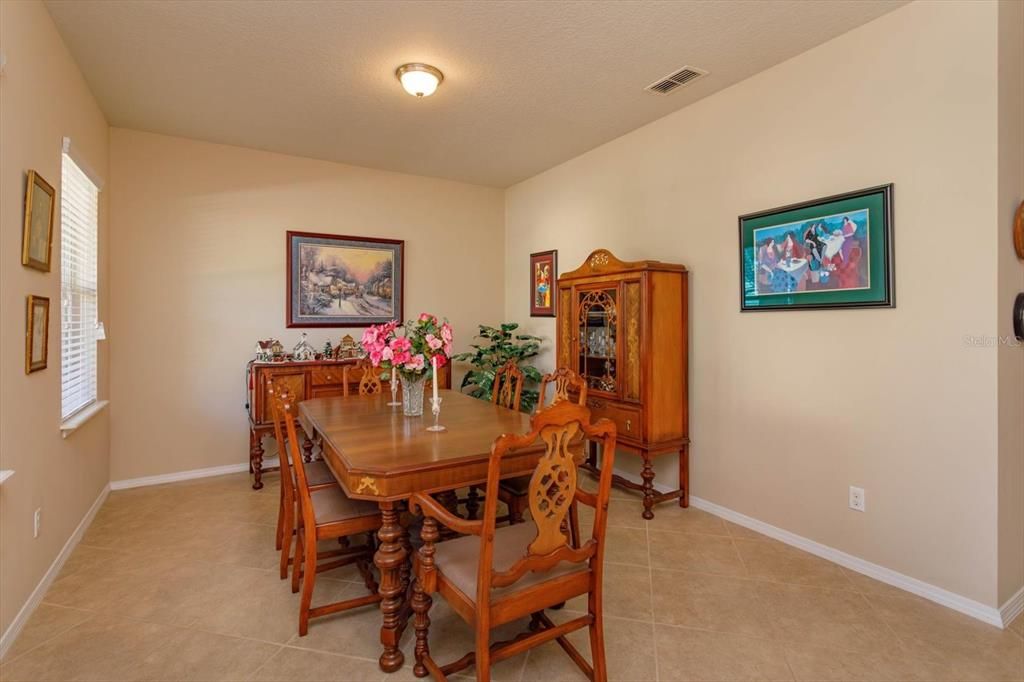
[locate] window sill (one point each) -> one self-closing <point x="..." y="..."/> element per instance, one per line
<point x="75" y="421"/>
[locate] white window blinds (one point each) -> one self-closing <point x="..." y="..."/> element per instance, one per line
<point x="79" y="209"/>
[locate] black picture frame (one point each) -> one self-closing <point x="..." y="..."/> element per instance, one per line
<point x="876" y="238"/>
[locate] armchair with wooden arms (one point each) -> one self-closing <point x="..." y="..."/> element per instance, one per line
<point x="493" y="576"/>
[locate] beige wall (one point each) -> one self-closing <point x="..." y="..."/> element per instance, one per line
<point x="198" y="275"/>
<point x="1011" y="282"/>
<point x="43" y="97"/>
<point x="788" y="409"/>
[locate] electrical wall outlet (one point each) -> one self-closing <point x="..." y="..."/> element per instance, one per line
<point x="37" y="522"/>
<point x="856" y="498"/>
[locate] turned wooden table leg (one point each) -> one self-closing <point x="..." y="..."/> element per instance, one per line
<point x="256" y="458"/>
<point x="421" y="600"/>
<point x="389" y="559"/>
<point x="307" y="449"/>
<point x="647" y="474"/>
<point x="472" y="502"/>
<point x="684" y="476"/>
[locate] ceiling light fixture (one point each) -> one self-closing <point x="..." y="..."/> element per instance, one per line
<point x="420" y="80"/>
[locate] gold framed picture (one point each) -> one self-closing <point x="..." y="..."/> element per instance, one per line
<point x="37" y="331"/>
<point x="37" y="236"/>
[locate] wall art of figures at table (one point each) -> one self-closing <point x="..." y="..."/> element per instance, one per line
<point x="543" y="275"/>
<point x="336" y="281"/>
<point x="827" y="253"/>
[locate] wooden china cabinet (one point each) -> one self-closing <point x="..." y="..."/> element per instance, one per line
<point x="623" y="327"/>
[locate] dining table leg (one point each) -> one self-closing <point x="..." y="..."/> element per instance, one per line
<point x="390" y="558"/>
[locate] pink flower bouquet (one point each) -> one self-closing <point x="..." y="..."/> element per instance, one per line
<point x="409" y="349"/>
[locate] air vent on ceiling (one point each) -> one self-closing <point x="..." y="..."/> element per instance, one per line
<point x="674" y="81"/>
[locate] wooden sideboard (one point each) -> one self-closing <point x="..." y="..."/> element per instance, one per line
<point x="312" y="379"/>
<point x="623" y="327"/>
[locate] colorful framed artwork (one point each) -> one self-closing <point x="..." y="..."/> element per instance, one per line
<point x="834" y="252"/>
<point x="543" y="275"/>
<point x="37" y="234"/>
<point x="37" y="331"/>
<point x="338" y="281"/>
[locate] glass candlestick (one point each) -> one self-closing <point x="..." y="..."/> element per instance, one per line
<point x="435" y="407"/>
<point x="394" y="391"/>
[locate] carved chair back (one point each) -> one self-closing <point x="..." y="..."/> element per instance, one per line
<point x="369" y="378"/>
<point x="288" y="409"/>
<point x="563" y="381"/>
<point x="279" y="393"/>
<point x="508" y="386"/>
<point x="552" y="492"/>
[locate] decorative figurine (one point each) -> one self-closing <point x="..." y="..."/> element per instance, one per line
<point x="348" y="348"/>
<point x="303" y="352"/>
<point x="328" y="351"/>
<point x="269" y="350"/>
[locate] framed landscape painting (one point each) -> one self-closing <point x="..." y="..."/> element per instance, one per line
<point x="338" y="281"/>
<point x="834" y="252"/>
<point x="543" y="275"/>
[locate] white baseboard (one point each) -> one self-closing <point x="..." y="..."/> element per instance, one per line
<point x="970" y="607"/>
<point x="1013" y="607"/>
<point x="29" y="607"/>
<point x="1000" y="617"/>
<point x="179" y="476"/>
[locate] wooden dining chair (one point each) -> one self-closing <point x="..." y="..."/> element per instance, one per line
<point x="369" y="378"/>
<point x="514" y="492"/>
<point x="326" y="514"/>
<point x="317" y="475"/>
<point x="507" y="391"/>
<point x="493" y="576"/>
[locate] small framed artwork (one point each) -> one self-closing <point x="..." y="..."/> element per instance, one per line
<point x="337" y="281"/>
<point x="37" y="330"/>
<point x="834" y="252"/>
<point x="37" y="235"/>
<point x="543" y="275"/>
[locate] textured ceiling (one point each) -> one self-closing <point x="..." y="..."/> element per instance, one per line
<point x="528" y="84"/>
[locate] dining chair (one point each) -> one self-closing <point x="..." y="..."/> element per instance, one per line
<point x="317" y="474"/>
<point x="507" y="391"/>
<point x="326" y="514"/>
<point x="514" y="492"/>
<point x="369" y="378"/>
<point x="493" y="576"/>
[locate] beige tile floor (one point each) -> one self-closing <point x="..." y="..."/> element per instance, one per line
<point x="178" y="582"/>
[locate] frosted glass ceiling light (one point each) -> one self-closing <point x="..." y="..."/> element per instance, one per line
<point x="420" y="80"/>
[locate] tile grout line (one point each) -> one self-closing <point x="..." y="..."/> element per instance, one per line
<point x="757" y="598"/>
<point x="91" y="613"/>
<point x="650" y="597"/>
<point x="262" y="665"/>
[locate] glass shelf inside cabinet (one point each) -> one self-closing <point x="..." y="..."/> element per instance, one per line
<point x="597" y="328"/>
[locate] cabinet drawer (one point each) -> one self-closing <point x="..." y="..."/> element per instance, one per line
<point x="328" y="376"/>
<point x="628" y="420"/>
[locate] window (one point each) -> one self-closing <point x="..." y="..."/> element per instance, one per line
<point x="79" y="208"/>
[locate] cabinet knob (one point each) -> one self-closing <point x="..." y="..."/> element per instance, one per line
<point x="629" y="424"/>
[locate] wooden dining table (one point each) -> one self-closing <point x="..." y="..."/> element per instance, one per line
<point x="380" y="455"/>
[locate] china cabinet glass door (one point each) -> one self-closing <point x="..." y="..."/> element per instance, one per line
<point x="597" y="321"/>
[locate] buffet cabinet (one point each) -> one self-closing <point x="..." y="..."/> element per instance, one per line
<point x="310" y="379"/>
<point x="623" y="327"/>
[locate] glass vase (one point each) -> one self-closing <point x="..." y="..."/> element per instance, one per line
<point x="412" y="394"/>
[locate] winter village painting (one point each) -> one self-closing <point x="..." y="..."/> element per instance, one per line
<point x="336" y="281"/>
